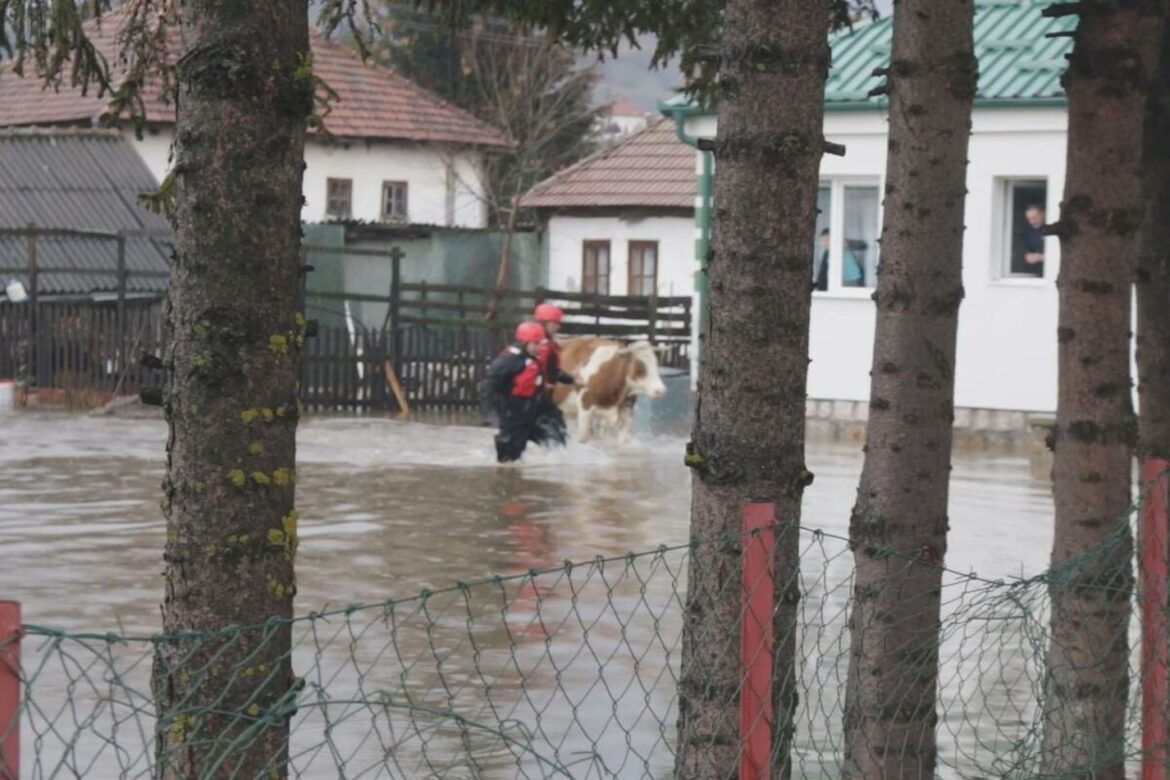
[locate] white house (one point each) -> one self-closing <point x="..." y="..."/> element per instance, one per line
<point x="621" y="221"/>
<point x="401" y="155"/>
<point x="618" y="119"/>
<point x="1007" y="332"/>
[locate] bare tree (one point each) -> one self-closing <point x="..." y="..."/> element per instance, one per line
<point x="898" y="529"/>
<point x="1092" y="576"/>
<point x="531" y="89"/>
<point x="528" y="85"/>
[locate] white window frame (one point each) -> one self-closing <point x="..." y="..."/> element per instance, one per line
<point x="1001" y="238"/>
<point x="837" y="186"/>
<point x="388" y="188"/>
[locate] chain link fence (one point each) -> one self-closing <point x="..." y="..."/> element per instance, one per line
<point x="565" y="672"/>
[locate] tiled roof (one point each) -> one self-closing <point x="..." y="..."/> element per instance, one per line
<point x="373" y="101"/>
<point x="650" y="168"/>
<point x="79" y="179"/>
<point x="623" y="107"/>
<point x="1018" y="65"/>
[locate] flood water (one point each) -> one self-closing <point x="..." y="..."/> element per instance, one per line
<point x="567" y="675"/>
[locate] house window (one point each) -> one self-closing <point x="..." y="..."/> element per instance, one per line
<point x="394" y="207"/>
<point x="845" y="242"/>
<point x="1022" y="215"/>
<point x="595" y="268"/>
<point x="338" y="198"/>
<point x="643" y="268"/>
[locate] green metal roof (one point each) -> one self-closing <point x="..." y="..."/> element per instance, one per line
<point x="1018" y="65"/>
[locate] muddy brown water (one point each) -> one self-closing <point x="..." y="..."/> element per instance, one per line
<point x="389" y="508"/>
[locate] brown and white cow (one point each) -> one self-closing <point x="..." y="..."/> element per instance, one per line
<point x="611" y="376"/>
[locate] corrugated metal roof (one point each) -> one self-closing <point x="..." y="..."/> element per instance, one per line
<point x="372" y="101"/>
<point x="1018" y="64"/>
<point x="1016" y="61"/>
<point x="650" y="168"/>
<point x="79" y="180"/>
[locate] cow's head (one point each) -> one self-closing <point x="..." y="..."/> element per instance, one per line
<point x="643" y="377"/>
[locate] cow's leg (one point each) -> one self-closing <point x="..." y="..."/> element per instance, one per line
<point x="625" y="421"/>
<point x="584" y="418"/>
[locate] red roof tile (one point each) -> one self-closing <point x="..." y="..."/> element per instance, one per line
<point x="623" y="107"/>
<point x="649" y="168"/>
<point x="373" y="101"/>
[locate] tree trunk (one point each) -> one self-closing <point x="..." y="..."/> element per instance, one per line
<point x="1092" y="577"/>
<point x="1153" y="267"/>
<point x="492" y="313"/>
<point x="244" y="92"/>
<point x="748" y="441"/>
<point x="898" y="529"/>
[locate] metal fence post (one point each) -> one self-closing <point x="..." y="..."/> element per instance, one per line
<point x="120" y="325"/>
<point x="756" y="641"/>
<point x="395" y="314"/>
<point x="653" y="317"/>
<point x="1153" y="587"/>
<point x="33" y="272"/>
<point x="9" y="690"/>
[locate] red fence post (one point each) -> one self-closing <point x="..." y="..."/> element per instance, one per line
<point x="1153" y="583"/>
<point x="756" y="641"/>
<point x="9" y="690"/>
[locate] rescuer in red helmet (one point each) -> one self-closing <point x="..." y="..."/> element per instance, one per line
<point x="515" y="388"/>
<point x="550" y="318"/>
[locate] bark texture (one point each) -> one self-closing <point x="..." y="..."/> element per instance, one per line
<point x="1153" y="267"/>
<point x="245" y="90"/>
<point x="748" y="441"/>
<point x="1092" y="576"/>
<point x="898" y="529"/>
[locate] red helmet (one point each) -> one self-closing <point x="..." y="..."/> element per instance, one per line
<point x="530" y="331"/>
<point x="546" y="312"/>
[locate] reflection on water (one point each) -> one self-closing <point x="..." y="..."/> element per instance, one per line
<point x="576" y="667"/>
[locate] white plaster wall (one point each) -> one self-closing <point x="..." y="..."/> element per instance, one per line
<point x="1007" y="328"/>
<point x="370" y="164"/>
<point x="155" y="151"/>
<point x="428" y="170"/>
<point x="676" y="251"/>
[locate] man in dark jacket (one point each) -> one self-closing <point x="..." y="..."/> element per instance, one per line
<point x="514" y="389"/>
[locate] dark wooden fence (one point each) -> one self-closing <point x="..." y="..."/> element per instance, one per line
<point x="433" y="346"/>
<point x="81" y="345"/>
<point x="437" y="340"/>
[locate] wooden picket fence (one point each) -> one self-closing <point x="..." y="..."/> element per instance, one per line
<point x="81" y="347"/>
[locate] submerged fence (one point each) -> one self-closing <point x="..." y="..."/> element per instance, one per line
<point x="569" y="671"/>
<point x="93" y="304"/>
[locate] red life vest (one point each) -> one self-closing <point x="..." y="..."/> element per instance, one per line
<point x="530" y="379"/>
<point x="548" y="348"/>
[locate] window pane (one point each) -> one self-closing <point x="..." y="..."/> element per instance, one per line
<point x="643" y="266"/>
<point x="337" y="198"/>
<point x="595" y="267"/>
<point x="1026" y="216"/>
<point x="821" y="240"/>
<point x="859" y="250"/>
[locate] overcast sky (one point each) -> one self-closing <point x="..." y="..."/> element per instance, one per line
<point x="630" y="75"/>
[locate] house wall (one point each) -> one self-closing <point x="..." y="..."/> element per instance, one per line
<point x="676" y="250"/>
<point x="1007" y="326"/>
<point x="564" y="241"/>
<point x="429" y="171"/>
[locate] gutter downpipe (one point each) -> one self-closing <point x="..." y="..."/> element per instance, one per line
<point x="704" y="173"/>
